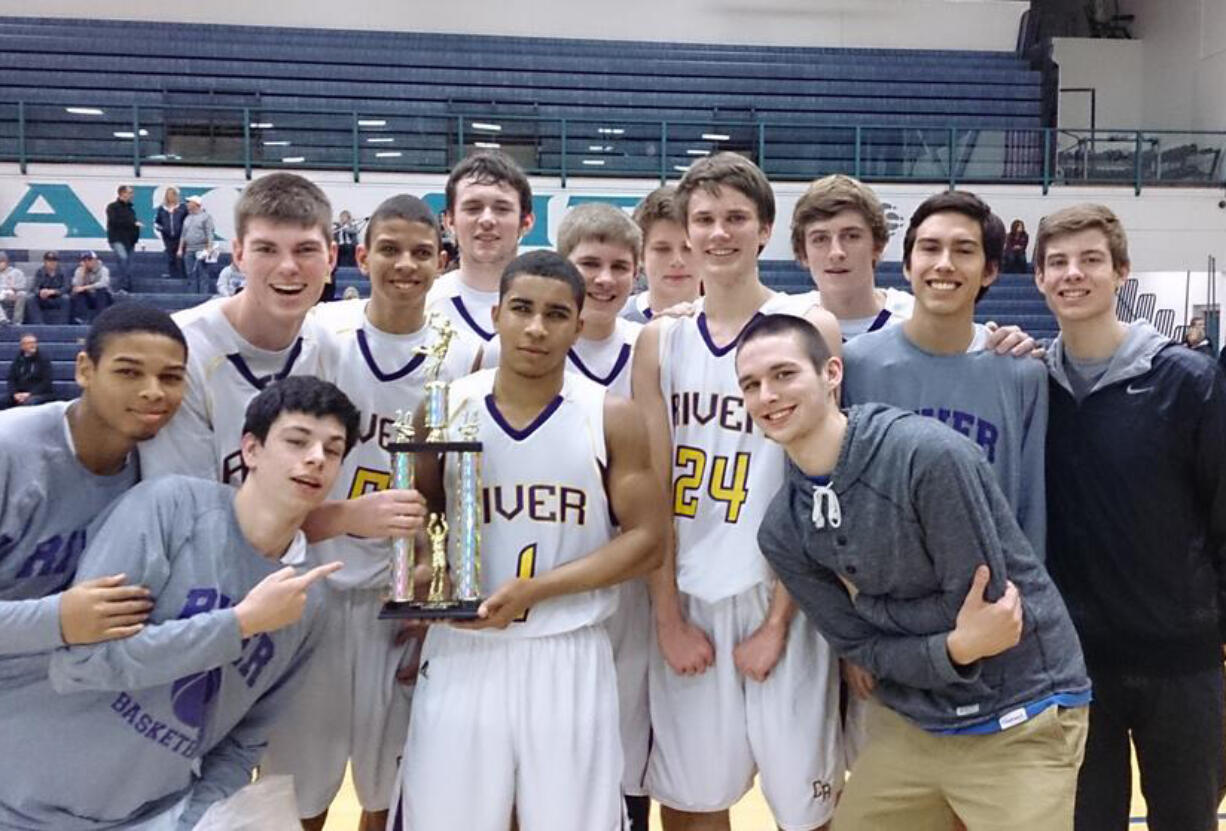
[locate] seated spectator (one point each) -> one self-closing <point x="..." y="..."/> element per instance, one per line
<point x="49" y="294"/>
<point x="14" y="290"/>
<point x="1014" y="261"/>
<point x="231" y="281"/>
<point x="29" y="381"/>
<point x="91" y="289"/>
<point x="1195" y="338"/>
<point x="345" y="234"/>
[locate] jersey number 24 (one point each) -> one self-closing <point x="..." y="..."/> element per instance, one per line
<point x="722" y="477"/>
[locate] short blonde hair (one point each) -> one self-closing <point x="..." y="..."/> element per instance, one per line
<point x="1083" y="217"/>
<point x="658" y="206"/>
<point x="831" y="195"/>
<point x="601" y="222"/>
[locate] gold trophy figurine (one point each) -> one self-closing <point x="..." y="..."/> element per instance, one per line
<point x="437" y="532"/>
<point x="436" y="390"/>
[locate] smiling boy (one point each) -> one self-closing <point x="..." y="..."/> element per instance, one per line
<point x="166" y="722"/>
<point x="524" y="700"/>
<point x="62" y="466"/>
<point x="240" y="344"/>
<point x="353" y="708"/>
<point x="1136" y="500"/>
<point x="895" y="539"/>
<point x="489" y="209"/>
<point x="730" y="659"/>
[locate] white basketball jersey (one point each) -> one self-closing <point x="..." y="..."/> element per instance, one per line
<point x="468" y="310"/>
<point x="607" y="362"/>
<point x="898" y="306"/>
<point x="543" y="499"/>
<point x="224" y="372"/>
<point x="382" y="374"/>
<point x="725" y="472"/>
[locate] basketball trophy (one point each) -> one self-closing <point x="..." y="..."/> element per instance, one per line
<point x="455" y="547"/>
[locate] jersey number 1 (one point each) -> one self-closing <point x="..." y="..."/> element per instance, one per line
<point x="720" y="486"/>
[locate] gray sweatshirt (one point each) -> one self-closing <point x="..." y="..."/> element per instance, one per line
<point x="180" y="710"/>
<point x="998" y="402"/>
<point x="50" y="506"/>
<point x="919" y="509"/>
<point x="197" y="230"/>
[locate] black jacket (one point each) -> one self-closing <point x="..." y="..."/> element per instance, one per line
<point x="30" y="373"/>
<point x="1136" y="506"/>
<point x="169" y="223"/>
<point x="121" y="223"/>
<point x="57" y="279"/>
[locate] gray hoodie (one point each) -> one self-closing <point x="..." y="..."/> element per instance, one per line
<point x="918" y="509"/>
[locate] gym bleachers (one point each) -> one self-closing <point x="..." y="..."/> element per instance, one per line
<point x="199" y="92"/>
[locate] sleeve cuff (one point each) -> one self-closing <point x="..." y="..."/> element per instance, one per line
<point x="946" y="670"/>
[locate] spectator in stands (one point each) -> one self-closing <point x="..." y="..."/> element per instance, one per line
<point x="345" y="234"/>
<point x="91" y="289"/>
<point x="49" y="292"/>
<point x="122" y="232"/>
<point x="169" y="225"/>
<point x="14" y="290"/>
<point x="196" y="244"/>
<point x="231" y="281"/>
<point x="29" y="376"/>
<point x="1016" y="243"/>
<point x="1195" y="338"/>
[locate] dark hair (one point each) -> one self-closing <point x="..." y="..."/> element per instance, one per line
<point x="544" y="263"/>
<point x="734" y="170"/>
<point x="489" y="167"/>
<point x="402" y="206"/>
<point x="284" y="198"/>
<point x="762" y="326"/>
<point x="304" y="394"/>
<point x="991" y="228"/>
<point x="125" y="318"/>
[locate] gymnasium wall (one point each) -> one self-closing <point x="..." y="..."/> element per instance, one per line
<point x="919" y="24"/>
<point x="64" y="207"/>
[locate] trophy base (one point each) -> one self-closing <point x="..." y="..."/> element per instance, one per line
<point x="423" y="610"/>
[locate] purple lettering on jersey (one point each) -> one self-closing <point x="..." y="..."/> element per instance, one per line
<point x="261" y="650"/>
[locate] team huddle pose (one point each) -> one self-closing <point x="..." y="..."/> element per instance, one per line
<point x="908" y="570"/>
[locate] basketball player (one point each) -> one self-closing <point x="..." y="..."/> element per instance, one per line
<point x="839" y="233"/>
<point x="893" y="535"/>
<point x="489" y="209"/>
<point x="520" y="708"/>
<point x="1136" y="504"/>
<point x="283" y="244"/>
<point x="62" y="466"/>
<point x="149" y="730"/>
<point x="738" y="682"/>
<point x="605" y="245"/>
<point x="352" y="708"/>
<point x="666" y="258"/>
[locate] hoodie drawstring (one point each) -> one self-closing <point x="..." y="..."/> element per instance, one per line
<point x="826" y="510"/>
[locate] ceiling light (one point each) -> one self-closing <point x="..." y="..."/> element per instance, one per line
<point x="694" y="152"/>
<point x="485" y="125"/>
<point x="610" y="131"/>
<point x="276" y="144"/>
<point x="294" y="159"/>
<point x="371" y="122"/>
<point x="380" y="140"/>
<point x="594" y="162"/>
<point x="487" y="145"/>
<point x="83" y="110"/>
<point x="388" y="154"/>
<point x="716" y="136"/>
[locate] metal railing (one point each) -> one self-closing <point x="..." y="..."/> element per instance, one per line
<point x="258" y="138"/>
